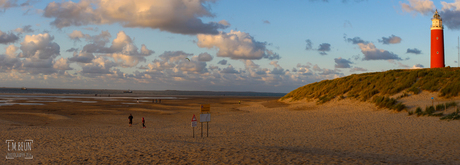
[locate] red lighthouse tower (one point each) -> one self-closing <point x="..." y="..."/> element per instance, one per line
<point x="437" y="42"/>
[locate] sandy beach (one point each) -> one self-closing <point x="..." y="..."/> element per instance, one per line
<point x="260" y="130"/>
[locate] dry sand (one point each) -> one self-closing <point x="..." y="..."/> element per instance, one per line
<point x="258" y="131"/>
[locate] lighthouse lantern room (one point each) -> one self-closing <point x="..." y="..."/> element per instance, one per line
<point x="437" y="42"/>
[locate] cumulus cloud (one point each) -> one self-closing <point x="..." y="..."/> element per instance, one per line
<point x="423" y="7"/>
<point x="229" y="70"/>
<point x="204" y="57"/>
<point x="82" y="57"/>
<point x="25" y="29"/>
<point x="390" y="40"/>
<point x="8" y="61"/>
<point x="357" y="69"/>
<point x="100" y="66"/>
<point x="236" y="45"/>
<point x="342" y="63"/>
<point x="414" y="51"/>
<point x="122" y="51"/>
<point x="417" y="66"/>
<point x="40" y="46"/>
<point x="372" y="53"/>
<point x="176" y="61"/>
<point x="176" y="16"/>
<point x="222" y="62"/>
<point x="7" y="38"/>
<point x="76" y="35"/>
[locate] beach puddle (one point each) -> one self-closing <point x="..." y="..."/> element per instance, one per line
<point x="88" y="101"/>
<point x="9" y="104"/>
<point x="40" y="101"/>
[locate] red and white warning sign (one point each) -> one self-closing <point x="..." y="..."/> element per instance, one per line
<point x="194" y="122"/>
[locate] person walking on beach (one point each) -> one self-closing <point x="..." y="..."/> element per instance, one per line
<point x="143" y="122"/>
<point x="130" y="119"/>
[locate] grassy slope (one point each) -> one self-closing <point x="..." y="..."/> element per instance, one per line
<point x="446" y="81"/>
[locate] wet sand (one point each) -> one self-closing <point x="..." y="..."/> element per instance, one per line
<point x="260" y="130"/>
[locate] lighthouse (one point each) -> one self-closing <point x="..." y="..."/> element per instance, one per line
<point x="437" y="42"/>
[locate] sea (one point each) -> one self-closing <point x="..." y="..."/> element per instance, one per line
<point x="135" y="92"/>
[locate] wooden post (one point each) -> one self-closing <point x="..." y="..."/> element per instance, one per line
<point x="201" y="129"/>
<point x="207" y="129"/>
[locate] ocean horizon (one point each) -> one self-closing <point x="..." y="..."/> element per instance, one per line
<point x="8" y="90"/>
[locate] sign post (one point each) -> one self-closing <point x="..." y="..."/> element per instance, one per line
<point x="194" y="122"/>
<point x="205" y="116"/>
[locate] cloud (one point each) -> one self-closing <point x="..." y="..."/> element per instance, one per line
<point x="76" y="35"/>
<point x="372" y="53"/>
<point x="5" y="4"/>
<point x="72" y="50"/>
<point x="342" y="63"/>
<point x="176" y="16"/>
<point x="122" y="51"/>
<point x="347" y="24"/>
<point x="390" y="40"/>
<point x="323" y="48"/>
<point x="176" y="61"/>
<point x="266" y="22"/>
<point x="399" y="64"/>
<point x="357" y="69"/>
<point x="236" y="45"/>
<point x="229" y="70"/>
<point x="82" y="57"/>
<point x="450" y="14"/>
<point x="25" y="29"/>
<point x="331" y="72"/>
<point x="417" y="66"/>
<point x="414" y="51"/>
<point x="62" y="64"/>
<point x="98" y="67"/>
<point x="7" y="38"/>
<point x="40" y="46"/>
<point x="222" y="62"/>
<point x="8" y="61"/>
<point x="204" y="57"/>
<point x="356" y="40"/>
<point x="309" y="45"/>
<point x="423" y="7"/>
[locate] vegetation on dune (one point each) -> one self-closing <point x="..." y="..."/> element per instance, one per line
<point x="379" y="86"/>
<point x="363" y="87"/>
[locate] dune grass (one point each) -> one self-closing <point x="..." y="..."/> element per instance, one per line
<point x="365" y="86"/>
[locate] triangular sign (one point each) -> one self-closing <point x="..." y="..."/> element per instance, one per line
<point x="193" y="118"/>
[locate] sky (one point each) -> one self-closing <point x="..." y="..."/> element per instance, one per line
<point x="214" y="45"/>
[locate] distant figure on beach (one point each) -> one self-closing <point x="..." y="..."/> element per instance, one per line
<point x="95" y="94"/>
<point x="159" y="100"/>
<point x="130" y="119"/>
<point x="138" y="101"/>
<point x="239" y="102"/>
<point x="143" y="122"/>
